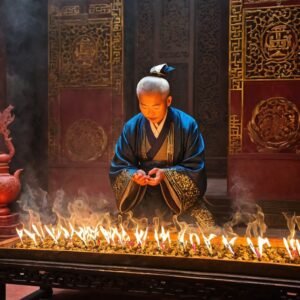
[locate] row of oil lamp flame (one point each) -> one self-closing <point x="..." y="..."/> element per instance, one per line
<point x="118" y="236"/>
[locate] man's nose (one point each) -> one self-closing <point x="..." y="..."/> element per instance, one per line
<point x="149" y="112"/>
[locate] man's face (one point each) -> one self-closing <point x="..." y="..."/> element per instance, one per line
<point x="154" y="106"/>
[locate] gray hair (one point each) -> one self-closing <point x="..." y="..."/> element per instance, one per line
<point x="151" y="84"/>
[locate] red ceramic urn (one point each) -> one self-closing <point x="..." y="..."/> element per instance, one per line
<point x="9" y="184"/>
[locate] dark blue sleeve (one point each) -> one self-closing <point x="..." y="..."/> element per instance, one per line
<point x="123" y="165"/>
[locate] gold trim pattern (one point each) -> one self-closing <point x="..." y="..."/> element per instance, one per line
<point x="278" y="2"/>
<point x="120" y="184"/>
<point x="70" y="10"/>
<point x="184" y="187"/>
<point x="235" y="72"/>
<point x="100" y="8"/>
<point x="235" y="134"/>
<point x="275" y="125"/>
<point x="272" y="42"/>
<point x="235" y="45"/>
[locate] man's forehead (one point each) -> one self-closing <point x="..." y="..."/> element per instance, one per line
<point x="152" y="97"/>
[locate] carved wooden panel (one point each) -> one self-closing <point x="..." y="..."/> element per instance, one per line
<point x="264" y="98"/>
<point x="190" y="35"/>
<point x="85" y="90"/>
<point x="272" y="43"/>
<point x="211" y="82"/>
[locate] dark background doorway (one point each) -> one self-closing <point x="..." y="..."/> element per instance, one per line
<point x="193" y="37"/>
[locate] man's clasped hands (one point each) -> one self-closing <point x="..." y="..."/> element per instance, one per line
<point x="154" y="177"/>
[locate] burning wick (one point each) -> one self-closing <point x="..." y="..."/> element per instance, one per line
<point x="54" y="236"/>
<point x="289" y="245"/>
<point x="106" y="234"/>
<point x="181" y="240"/>
<point x="295" y="246"/>
<point x="31" y="235"/>
<point x="207" y="242"/>
<point x="229" y="244"/>
<point x="255" y="252"/>
<point x="20" y="234"/>
<point x="141" y="236"/>
<point x="37" y="232"/>
<point x="124" y="235"/>
<point x="261" y="242"/>
<point x="156" y="238"/>
<point x="298" y="247"/>
<point x="161" y="238"/>
<point x="194" y="237"/>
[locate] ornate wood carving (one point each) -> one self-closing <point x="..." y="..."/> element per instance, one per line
<point x="169" y="31"/>
<point x="85" y="51"/>
<point x="175" y="15"/>
<point x="210" y="81"/>
<point x="272" y="43"/>
<point x="264" y="103"/>
<point x="275" y="125"/>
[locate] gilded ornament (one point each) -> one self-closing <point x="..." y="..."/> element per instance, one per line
<point x="185" y="188"/>
<point x="85" y="140"/>
<point x="272" y="43"/>
<point x="275" y="125"/>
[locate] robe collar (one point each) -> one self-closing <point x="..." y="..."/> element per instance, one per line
<point x="154" y="142"/>
<point x="156" y="128"/>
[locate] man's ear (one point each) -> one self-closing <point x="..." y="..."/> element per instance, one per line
<point x="169" y="100"/>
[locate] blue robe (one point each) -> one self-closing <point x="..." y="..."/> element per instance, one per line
<point x="184" y="167"/>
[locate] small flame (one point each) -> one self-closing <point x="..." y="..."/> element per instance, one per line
<point x="124" y="235"/>
<point x="229" y="244"/>
<point x="298" y="246"/>
<point x="66" y="233"/>
<point x="261" y="242"/>
<point x="37" y="232"/>
<point x="165" y="235"/>
<point x="31" y="235"/>
<point x="252" y="247"/>
<point x="194" y="237"/>
<point x="141" y="236"/>
<point x="286" y="244"/>
<point x="106" y="234"/>
<point x="181" y="238"/>
<point x="156" y="238"/>
<point x="20" y="234"/>
<point x="52" y="234"/>
<point x="207" y="241"/>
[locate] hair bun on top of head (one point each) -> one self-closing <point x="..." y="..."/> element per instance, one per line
<point x="161" y="70"/>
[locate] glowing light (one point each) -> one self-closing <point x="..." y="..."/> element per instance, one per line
<point x="229" y="244"/>
<point x="207" y="241"/>
<point x="286" y="244"/>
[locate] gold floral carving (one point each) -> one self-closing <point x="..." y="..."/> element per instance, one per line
<point x="275" y="125"/>
<point x="272" y="42"/>
<point x="85" y="140"/>
<point x="121" y="183"/>
<point x="185" y="188"/>
<point x="235" y="134"/>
